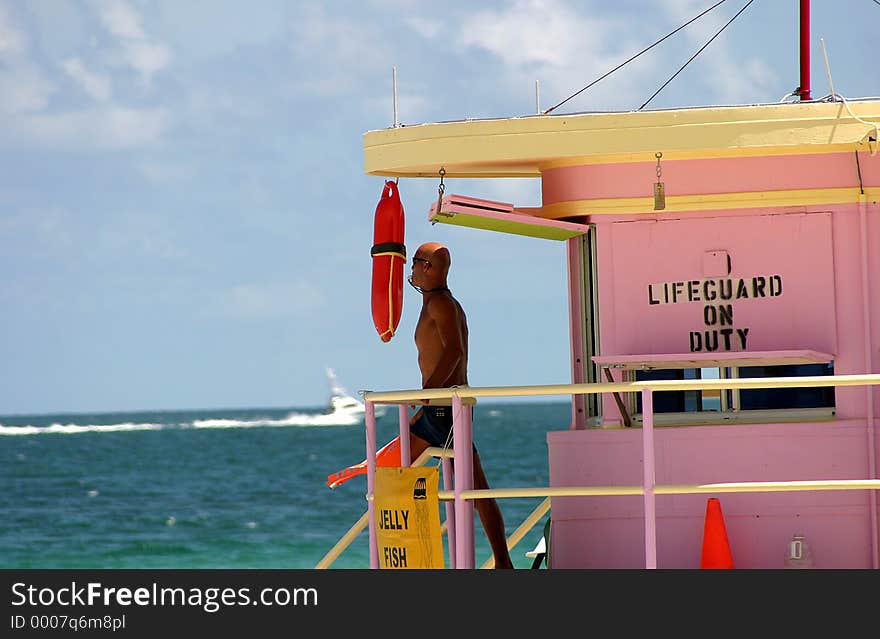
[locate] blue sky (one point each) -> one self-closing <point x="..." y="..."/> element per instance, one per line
<point x="184" y="217"/>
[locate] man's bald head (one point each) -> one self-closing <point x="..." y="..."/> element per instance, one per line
<point x="438" y="255"/>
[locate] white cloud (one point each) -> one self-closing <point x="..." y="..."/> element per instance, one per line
<point x="210" y="29"/>
<point x="424" y="27"/>
<point x="550" y="41"/>
<point x="11" y="39"/>
<point x="530" y="32"/>
<point x="147" y="57"/>
<point x="96" y="85"/>
<point x="752" y="80"/>
<point x="37" y="113"/>
<point x="139" y="52"/>
<point x="109" y="128"/>
<point x="730" y="75"/>
<point x="23" y="89"/>
<point x="335" y="53"/>
<point x="120" y="19"/>
<point x="566" y="48"/>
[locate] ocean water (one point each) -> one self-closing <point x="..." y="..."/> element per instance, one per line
<point x="223" y="488"/>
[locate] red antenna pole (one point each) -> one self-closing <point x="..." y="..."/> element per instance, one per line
<point x="804" y="89"/>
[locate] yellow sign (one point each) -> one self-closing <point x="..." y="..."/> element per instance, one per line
<point x="408" y="517"/>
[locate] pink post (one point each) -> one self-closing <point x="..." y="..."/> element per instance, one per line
<point x="405" y="454"/>
<point x="648" y="478"/>
<point x="370" y="419"/>
<point x="575" y="328"/>
<point x="464" y="480"/>
<point x="446" y="463"/>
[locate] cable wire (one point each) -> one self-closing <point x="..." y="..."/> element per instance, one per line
<point x="696" y="54"/>
<point x="637" y="55"/>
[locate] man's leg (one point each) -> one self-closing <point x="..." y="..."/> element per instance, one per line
<point x="488" y="510"/>
<point x="417" y="446"/>
<point x="491" y="518"/>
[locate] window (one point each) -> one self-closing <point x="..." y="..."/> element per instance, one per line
<point x="770" y="398"/>
<point x="681" y="401"/>
<point x="716" y="405"/>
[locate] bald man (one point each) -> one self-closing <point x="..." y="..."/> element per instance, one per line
<point x="442" y="342"/>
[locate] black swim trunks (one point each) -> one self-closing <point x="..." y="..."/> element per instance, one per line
<point x="434" y="425"/>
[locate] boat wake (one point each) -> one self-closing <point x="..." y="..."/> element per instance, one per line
<point x="74" y="429"/>
<point x="294" y="419"/>
<point x="342" y="409"/>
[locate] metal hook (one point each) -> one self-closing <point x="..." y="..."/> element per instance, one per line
<point x="659" y="187"/>
<point x="440" y="190"/>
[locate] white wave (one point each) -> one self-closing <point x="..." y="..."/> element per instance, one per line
<point x="73" y="429"/>
<point x="293" y="419"/>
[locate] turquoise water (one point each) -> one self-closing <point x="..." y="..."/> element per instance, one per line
<point x="223" y="488"/>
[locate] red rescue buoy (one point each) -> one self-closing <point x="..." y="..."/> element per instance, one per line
<point x="389" y="262"/>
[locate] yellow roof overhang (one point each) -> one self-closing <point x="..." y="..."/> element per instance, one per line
<point x="525" y="146"/>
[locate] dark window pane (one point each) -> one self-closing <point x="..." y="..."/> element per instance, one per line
<point x="764" y="398"/>
<point x="665" y="401"/>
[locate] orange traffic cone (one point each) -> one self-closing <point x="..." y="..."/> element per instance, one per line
<point x="716" y="549"/>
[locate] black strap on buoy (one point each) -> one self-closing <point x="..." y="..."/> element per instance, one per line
<point x="386" y="248"/>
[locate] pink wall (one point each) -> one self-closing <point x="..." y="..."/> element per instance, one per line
<point x="655" y="275"/>
<point x="817" y="256"/>
<point x="717" y="175"/>
<point x="856" y="354"/>
<point x="816" y="252"/>
<point x="827" y="259"/>
<point x="608" y="532"/>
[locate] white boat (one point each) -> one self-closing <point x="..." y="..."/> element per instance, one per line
<point x="344" y="408"/>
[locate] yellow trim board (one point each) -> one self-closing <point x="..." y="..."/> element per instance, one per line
<point x="524" y="146"/>
<point x="512" y="226"/>
<point x="711" y="201"/>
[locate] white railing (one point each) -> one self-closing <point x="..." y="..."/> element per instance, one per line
<point x="461" y="535"/>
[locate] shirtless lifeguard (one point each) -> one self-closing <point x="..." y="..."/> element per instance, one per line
<point x="442" y="342"/>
